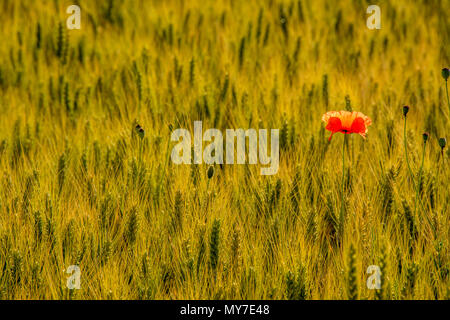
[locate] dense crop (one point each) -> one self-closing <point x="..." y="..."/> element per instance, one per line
<point x="86" y="177"/>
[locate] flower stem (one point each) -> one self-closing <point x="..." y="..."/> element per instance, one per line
<point x="343" y="186"/>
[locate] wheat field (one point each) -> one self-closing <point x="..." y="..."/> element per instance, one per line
<point x="80" y="186"/>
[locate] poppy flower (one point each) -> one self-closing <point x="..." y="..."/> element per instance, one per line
<point x="346" y="122"/>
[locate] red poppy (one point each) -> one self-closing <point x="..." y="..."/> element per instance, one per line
<point x="346" y="122"/>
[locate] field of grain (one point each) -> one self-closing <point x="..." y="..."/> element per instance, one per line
<point x="79" y="185"/>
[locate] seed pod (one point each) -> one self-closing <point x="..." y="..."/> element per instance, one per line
<point x="210" y="172"/>
<point x="442" y="143"/>
<point x="141" y="133"/>
<point x="405" y="110"/>
<point x="445" y="73"/>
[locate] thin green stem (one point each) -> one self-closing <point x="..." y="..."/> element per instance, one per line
<point x="416" y="188"/>
<point x="448" y="100"/>
<point x="419" y="178"/>
<point x="406" y="156"/>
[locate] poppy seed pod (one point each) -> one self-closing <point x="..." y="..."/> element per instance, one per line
<point x="405" y="110"/>
<point x="445" y="73"/>
<point x="442" y="142"/>
<point x="140" y="132"/>
<point x="425" y="136"/>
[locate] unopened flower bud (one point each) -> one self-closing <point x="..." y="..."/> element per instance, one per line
<point x="442" y="142"/>
<point x="140" y="132"/>
<point x="210" y="172"/>
<point x="425" y="136"/>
